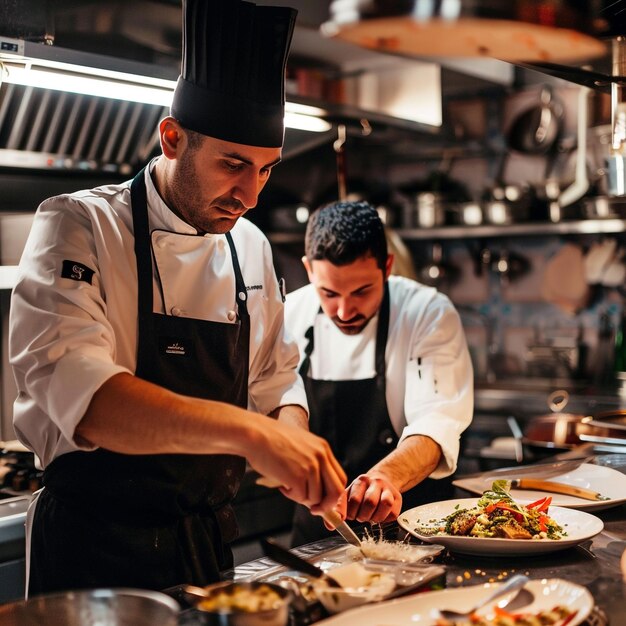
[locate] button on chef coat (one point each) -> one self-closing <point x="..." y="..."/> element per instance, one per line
<point x="429" y="373"/>
<point x="67" y="337"/>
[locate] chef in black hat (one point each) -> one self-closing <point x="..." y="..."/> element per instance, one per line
<point x="147" y="335"/>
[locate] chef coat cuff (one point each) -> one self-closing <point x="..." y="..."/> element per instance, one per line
<point x="264" y="399"/>
<point x="76" y="379"/>
<point x="441" y="431"/>
<point x="290" y="397"/>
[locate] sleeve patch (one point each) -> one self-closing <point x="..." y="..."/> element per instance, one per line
<point x="77" y="271"/>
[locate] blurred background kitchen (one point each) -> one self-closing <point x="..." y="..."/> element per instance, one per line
<point x="501" y="183"/>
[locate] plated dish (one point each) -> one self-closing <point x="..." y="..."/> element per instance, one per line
<point x="609" y="482"/>
<point x="423" y="609"/>
<point x="423" y="521"/>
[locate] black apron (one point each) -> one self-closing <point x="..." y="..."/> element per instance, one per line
<point x="352" y="416"/>
<point x="151" y="521"/>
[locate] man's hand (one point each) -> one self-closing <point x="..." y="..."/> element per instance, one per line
<point x="372" y="497"/>
<point x="301" y="462"/>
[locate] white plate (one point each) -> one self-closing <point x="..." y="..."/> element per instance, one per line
<point x="422" y="609"/>
<point x="579" y="526"/>
<point x="605" y="480"/>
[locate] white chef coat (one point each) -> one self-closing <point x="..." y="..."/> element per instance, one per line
<point x="68" y="337"/>
<point x="429" y="377"/>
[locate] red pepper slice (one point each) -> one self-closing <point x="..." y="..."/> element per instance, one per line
<point x="516" y="514"/>
<point x="569" y="618"/>
<point x="544" y="507"/>
<point x="532" y="505"/>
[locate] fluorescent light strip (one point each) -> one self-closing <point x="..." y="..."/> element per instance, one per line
<point x="121" y="86"/>
<point x="87" y="85"/>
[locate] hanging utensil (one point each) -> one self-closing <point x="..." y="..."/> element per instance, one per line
<point x="580" y="185"/>
<point x="536" y="129"/>
<point x="438" y="272"/>
<point x="340" y="150"/>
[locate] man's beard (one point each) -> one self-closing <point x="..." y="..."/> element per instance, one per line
<point x="353" y="326"/>
<point x="196" y="213"/>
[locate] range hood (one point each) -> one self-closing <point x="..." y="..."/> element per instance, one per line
<point x="46" y="128"/>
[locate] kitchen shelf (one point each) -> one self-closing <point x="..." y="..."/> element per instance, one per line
<point x="579" y="227"/>
<point x="529" y="229"/>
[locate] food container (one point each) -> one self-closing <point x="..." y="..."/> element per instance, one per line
<point x="359" y="585"/>
<point x="425" y="209"/>
<point x="98" y="607"/>
<point x="243" y="604"/>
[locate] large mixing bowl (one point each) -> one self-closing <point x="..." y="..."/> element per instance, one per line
<point x="98" y="607"/>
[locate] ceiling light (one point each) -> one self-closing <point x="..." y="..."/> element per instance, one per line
<point x="123" y="86"/>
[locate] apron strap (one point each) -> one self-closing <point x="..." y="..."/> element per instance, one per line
<point x="241" y="293"/>
<point x="382" y="333"/>
<point x="138" y="199"/>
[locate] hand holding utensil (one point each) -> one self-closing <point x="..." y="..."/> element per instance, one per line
<point x="330" y="517"/>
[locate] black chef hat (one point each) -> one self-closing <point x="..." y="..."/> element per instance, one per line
<point x="232" y="84"/>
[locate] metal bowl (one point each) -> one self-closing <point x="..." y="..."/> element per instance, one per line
<point x="97" y="607"/>
<point x="277" y="615"/>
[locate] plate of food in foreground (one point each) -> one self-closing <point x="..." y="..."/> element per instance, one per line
<point x="497" y="525"/>
<point x="556" y="602"/>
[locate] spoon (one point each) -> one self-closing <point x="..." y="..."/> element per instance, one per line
<point x="515" y="583"/>
<point x="282" y="555"/>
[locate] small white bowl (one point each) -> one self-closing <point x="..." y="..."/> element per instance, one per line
<point x="359" y="585"/>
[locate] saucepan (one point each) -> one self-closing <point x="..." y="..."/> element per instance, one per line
<point x="98" y="607"/>
<point x="538" y="127"/>
<point x="546" y="435"/>
<point x="549" y="434"/>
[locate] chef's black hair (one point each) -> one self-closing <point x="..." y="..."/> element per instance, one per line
<point x="342" y="232"/>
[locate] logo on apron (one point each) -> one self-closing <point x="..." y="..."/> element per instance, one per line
<point x="176" y="347"/>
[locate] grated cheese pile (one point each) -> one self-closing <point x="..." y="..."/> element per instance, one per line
<point x="384" y="550"/>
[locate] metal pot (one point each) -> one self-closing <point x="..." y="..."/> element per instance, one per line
<point x="437" y="272"/>
<point x="277" y="615"/>
<point x="425" y="209"/>
<point x="98" y="607"/>
<point x="549" y="434"/>
<point x="555" y="432"/>
<point x="507" y="204"/>
<point x="467" y="213"/>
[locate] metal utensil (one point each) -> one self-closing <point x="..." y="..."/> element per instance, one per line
<point x="513" y="584"/>
<point x="282" y="555"/>
<point x="538" y="470"/>
<point x="552" y="487"/>
<point x="332" y="517"/>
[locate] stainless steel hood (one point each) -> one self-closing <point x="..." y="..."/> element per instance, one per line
<point x="52" y="130"/>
